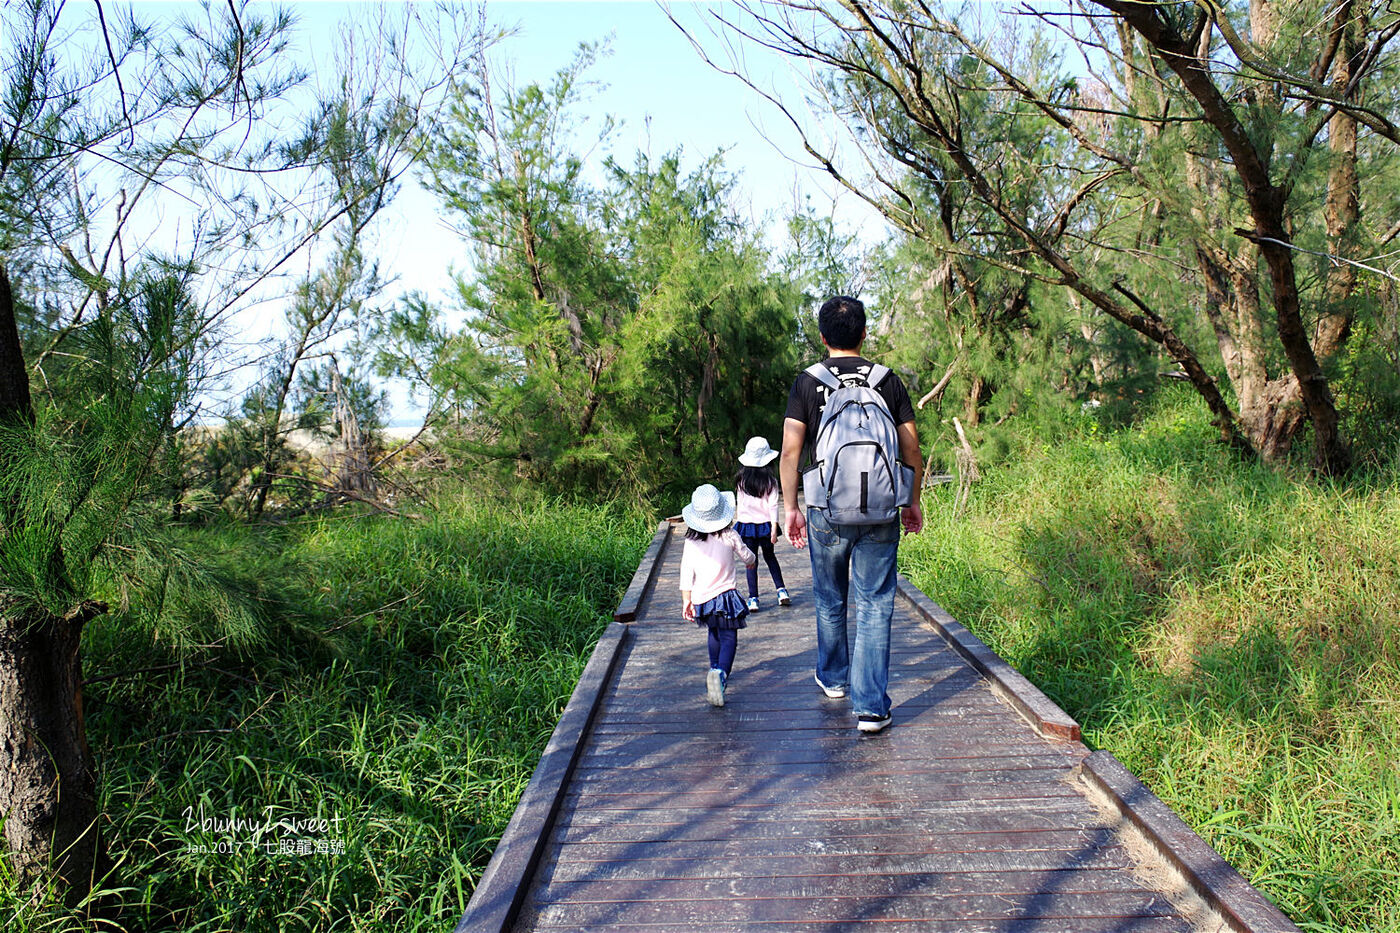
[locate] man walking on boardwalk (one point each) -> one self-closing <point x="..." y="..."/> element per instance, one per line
<point x="853" y="565"/>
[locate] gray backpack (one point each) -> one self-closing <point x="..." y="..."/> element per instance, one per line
<point x="856" y="474"/>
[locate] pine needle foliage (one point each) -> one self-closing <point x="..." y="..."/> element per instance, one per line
<point x="84" y="482"/>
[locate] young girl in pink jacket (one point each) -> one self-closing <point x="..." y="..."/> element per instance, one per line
<point x="756" y="514"/>
<point x="708" y="589"/>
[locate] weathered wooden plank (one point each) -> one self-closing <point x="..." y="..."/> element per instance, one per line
<point x="747" y="703"/>
<point x="835" y="844"/>
<point x="910" y="905"/>
<point x="933" y="769"/>
<point x="875" y="887"/>
<point x="624" y="720"/>
<point x="813" y="865"/>
<point x="865" y="925"/>
<point x="860" y="807"/>
<point x="833" y="727"/>
<point x="685" y="645"/>
<point x="819" y="824"/>
<point x="746" y="712"/>
<point x="758" y="756"/>
<point x="818" y="785"/>
<point x="831" y="836"/>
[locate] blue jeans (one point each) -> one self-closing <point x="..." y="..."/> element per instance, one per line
<point x="853" y="572"/>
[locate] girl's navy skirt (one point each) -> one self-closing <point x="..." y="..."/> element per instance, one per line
<point x="727" y="610"/>
<point x="753" y="530"/>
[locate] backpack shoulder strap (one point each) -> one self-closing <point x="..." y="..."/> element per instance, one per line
<point x="878" y="372"/>
<point x="823" y="375"/>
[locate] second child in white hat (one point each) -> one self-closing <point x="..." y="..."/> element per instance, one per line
<point x="708" y="593"/>
<point x="756" y="517"/>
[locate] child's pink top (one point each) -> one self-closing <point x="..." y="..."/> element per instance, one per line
<point x="756" y="509"/>
<point x="707" y="567"/>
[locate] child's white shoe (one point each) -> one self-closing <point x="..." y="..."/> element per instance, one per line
<point x="753" y="604"/>
<point x="714" y="687"/>
<point x="783" y="598"/>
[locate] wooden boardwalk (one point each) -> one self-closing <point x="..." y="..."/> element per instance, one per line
<point x="977" y="810"/>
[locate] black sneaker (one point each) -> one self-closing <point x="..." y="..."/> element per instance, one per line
<point x="869" y="723"/>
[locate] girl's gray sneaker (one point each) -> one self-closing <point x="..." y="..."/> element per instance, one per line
<point x="714" y="687"/>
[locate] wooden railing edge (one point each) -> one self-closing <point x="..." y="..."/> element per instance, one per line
<point x="1238" y="902"/>
<point x="1042" y="712"/>
<point x="646" y="570"/>
<point x="499" y="894"/>
<point x="1228" y="893"/>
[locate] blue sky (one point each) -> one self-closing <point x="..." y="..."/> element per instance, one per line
<point x="664" y="96"/>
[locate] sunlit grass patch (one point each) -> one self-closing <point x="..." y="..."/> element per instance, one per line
<point x="1230" y="631"/>
<point x="355" y="768"/>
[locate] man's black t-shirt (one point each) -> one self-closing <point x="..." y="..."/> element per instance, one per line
<point x="808" y="397"/>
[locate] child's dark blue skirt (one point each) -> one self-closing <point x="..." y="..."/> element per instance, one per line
<point x="753" y="529"/>
<point x="727" y="610"/>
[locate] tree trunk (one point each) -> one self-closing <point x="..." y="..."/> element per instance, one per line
<point x="977" y="393"/>
<point x="16" y="407"/>
<point x="1342" y="211"/>
<point x="1267" y="205"/>
<point x="48" y="797"/>
<point x="48" y="792"/>
<point x="1276" y="416"/>
<point x="355" y="475"/>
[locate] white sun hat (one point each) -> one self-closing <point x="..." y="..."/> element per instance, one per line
<point x="709" y="509"/>
<point x="757" y="453"/>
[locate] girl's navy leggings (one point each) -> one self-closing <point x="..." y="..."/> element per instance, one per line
<point x="765" y="546"/>
<point x="723" y="641"/>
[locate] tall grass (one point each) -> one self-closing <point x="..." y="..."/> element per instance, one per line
<point x="1230" y="632"/>
<point x="413" y="673"/>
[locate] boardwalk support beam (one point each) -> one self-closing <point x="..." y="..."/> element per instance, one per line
<point x="641" y="579"/>
<point x="1025" y="697"/>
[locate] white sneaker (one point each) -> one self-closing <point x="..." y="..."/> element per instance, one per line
<point x="753" y="604"/>
<point x="714" y="686"/>
<point x="835" y="693"/>
<point x="783" y="598"/>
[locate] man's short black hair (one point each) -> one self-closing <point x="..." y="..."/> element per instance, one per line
<point x="841" y="321"/>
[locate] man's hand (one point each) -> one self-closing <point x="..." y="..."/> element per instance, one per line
<point x="794" y="523"/>
<point x="912" y="516"/>
<point x="796" y="527"/>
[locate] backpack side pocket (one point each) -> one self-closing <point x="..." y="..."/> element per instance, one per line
<point x="813" y="489"/>
<point x="906" y="492"/>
